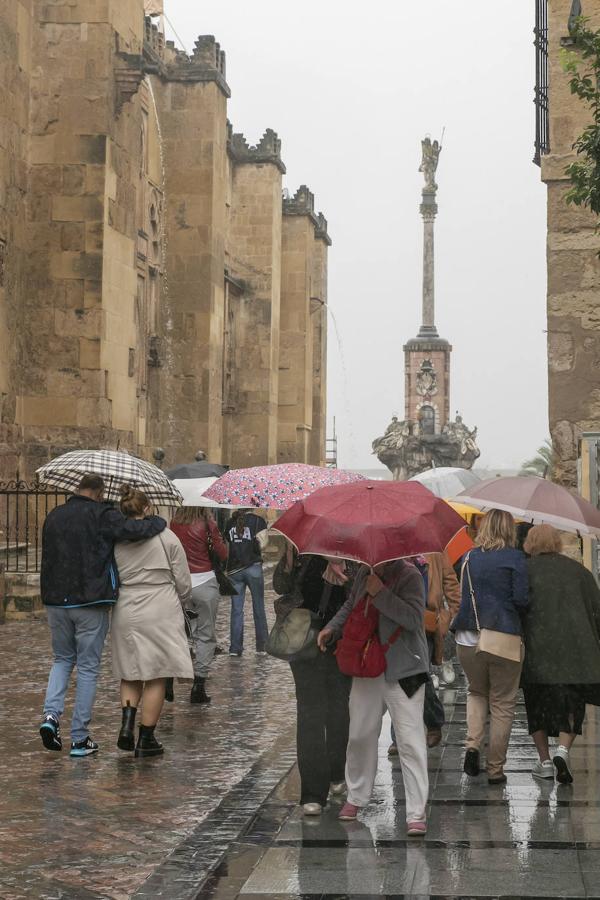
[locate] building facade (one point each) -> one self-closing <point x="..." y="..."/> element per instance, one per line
<point x="572" y="248"/>
<point x="155" y="288"/>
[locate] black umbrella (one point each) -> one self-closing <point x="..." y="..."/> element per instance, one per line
<point x="200" y="469"/>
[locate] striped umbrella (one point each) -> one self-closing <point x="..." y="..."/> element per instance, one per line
<point x="116" y="468"/>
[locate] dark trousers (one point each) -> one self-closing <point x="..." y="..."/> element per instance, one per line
<point x="433" y="711"/>
<point x="323" y="719"/>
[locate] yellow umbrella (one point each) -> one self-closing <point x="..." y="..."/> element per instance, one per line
<point x="464" y="510"/>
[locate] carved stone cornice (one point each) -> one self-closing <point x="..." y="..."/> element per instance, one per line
<point x="129" y="73"/>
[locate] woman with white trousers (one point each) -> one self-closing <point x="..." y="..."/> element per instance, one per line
<point x="397" y="592"/>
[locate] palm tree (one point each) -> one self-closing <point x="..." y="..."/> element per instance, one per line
<point x="542" y="464"/>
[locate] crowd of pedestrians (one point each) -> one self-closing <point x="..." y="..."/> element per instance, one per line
<point x="520" y="613"/>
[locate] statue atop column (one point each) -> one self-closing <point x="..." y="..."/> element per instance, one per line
<point x="429" y="163"/>
<point x="427" y="436"/>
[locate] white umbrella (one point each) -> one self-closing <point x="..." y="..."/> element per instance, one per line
<point x="192" y="491"/>
<point x="447" y="481"/>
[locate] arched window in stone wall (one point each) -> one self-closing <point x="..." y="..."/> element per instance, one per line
<point x="427" y="419"/>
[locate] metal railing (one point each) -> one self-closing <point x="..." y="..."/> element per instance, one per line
<point x="541" y="98"/>
<point x="23" y="510"/>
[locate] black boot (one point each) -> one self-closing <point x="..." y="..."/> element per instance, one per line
<point x="198" y="694"/>
<point x="147" y="744"/>
<point x="126" y="739"/>
<point x="169" y="696"/>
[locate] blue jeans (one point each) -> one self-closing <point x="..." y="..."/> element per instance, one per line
<point x="253" y="578"/>
<point x="77" y="640"/>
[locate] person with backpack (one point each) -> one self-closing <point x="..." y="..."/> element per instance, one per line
<point x="246" y="535"/>
<point x="383" y="645"/>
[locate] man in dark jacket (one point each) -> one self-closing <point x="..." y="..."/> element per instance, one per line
<point x="79" y="583"/>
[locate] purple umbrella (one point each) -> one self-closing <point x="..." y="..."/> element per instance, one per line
<point x="535" y="500"/>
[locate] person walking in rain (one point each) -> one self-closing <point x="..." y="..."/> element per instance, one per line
<point x="322" y="691"/>
<point x="494" y="598"/>
<point x="148" y="637"/>
<point x="561" y="672"/>
<point x="245" y="534"/>
<point x="397" y="591"/>
<point x="203" y="545"/>
<point x="79" y="583"/>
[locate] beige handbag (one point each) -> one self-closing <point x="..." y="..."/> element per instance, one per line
<point x="497" y="643"/>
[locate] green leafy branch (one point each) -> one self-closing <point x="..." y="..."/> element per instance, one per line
<point x="582" y="65"/>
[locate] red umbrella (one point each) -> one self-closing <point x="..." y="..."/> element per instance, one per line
<point x="371" y="522"/>
<point x="536" y="500"/>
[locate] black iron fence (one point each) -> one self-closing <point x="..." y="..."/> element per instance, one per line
<point x="23" y="510"/>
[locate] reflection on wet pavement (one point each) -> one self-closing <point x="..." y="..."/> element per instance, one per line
<point x="108" y="827"/>
<point x="525" y="839"/>
<point x="99" y="827"/>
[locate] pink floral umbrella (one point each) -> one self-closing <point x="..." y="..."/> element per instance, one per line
<point x="275" y="487"/>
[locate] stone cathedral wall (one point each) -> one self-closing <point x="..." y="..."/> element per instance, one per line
<point x="155" y="291"/>
<point x="573" y="268"/>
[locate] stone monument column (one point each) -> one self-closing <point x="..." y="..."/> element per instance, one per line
<point x="426" y="436"/>
<point x="427" y="356"/>
<point x="428" y="209"/>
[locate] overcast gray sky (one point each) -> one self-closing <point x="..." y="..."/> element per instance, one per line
<point x="351" y="88"/>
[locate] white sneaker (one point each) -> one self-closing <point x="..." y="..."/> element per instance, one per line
<point x="543" y="769"/>
<point x="261" y="653"/>
<point x="563" y="766"/>
<point x="312" y="809"/>
<point x="448" y="673"/>
<point x="338" y="789"/>
<point x="435" y="682"/>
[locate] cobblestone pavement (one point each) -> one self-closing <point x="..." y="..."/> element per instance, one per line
<point x="526" y="839"/>
<point x="99" y="827"/>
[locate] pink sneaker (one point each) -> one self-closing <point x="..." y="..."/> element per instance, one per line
<point x="348" y="812"/>
<point x="416" y="829"/>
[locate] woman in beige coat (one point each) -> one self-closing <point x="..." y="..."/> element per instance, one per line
<point x="148" y="629"/>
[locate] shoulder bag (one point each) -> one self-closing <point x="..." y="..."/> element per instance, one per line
<point x="496" y="643"/>
<point x="226" y="585"/>
<point x="294" y="635"/>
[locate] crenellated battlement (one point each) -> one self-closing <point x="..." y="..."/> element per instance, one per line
<point x="303" y="204"/>
<point x="268" y="149"/>
<point x="208" y="53"/>
<point x="321" y="230"/>
<point x="206" y="63"/>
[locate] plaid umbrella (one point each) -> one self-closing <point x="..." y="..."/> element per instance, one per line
<point x="116" y="468"/>
<point x="275" y="487"/>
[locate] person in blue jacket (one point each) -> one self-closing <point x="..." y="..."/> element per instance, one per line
<point x="79" y="583"/>
<point x="497" y="574"/>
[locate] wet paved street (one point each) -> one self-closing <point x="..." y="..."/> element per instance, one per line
<point x="526" y="839"/>
<point x="99" y="827"/>
<point x="222" y="801"/>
